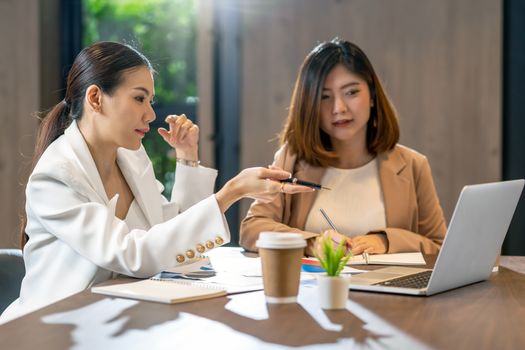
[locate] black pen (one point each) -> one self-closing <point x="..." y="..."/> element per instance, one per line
<point x="296" y="181"/>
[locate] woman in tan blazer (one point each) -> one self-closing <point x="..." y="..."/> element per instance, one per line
<point x="342" y="132"/>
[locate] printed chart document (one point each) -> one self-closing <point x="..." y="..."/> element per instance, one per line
<point x="159" y="291"/>
<point x="231" y="269"/>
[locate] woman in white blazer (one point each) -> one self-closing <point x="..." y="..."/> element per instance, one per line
<point x="94" y="208"/>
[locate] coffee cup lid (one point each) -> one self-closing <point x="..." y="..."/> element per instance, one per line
<point x="280" y="240"/>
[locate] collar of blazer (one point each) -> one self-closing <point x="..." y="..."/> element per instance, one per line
<point x="395" y="184"/>
<point x="135" y="166"/>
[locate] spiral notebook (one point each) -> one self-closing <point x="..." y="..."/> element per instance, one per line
<point x="169" y="292"/>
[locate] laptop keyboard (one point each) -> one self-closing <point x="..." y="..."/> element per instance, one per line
<point x="417" y="281"/>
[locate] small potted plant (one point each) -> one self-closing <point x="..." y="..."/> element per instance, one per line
<point x="333" y="288"/>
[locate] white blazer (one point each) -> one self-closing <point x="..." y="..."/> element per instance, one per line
<point x="75" y="239"/>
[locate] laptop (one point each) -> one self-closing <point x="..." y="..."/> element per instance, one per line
<point x="473" y="241"/>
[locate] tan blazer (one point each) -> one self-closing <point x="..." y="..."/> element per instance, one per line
<point x="414" y="217"/>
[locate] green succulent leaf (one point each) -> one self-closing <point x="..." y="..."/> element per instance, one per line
<point x="332" y="259"/>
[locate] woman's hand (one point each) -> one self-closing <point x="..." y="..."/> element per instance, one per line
<point x="337" y="238"/>
<point x="183" y="135"/>
<point x="257" y="183"/>
<point x="373" y="243"/>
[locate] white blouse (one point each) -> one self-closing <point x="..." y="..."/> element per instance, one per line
<point x="354" y="204"/>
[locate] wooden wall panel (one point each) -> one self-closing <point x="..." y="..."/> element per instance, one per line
<point x="205" y="72"/>
<point x="19" y="97"/>
<point x="440" y="61"/>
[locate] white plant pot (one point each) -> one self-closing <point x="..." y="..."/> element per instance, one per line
<point x="333" y="291"/>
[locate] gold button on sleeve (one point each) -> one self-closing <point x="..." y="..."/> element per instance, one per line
<point x="219" y="240"/>
<point x="200" y="248"/>
<point x="210" y="244"/>
<point x="180" y="258"/>
<point x="190" y="254"/>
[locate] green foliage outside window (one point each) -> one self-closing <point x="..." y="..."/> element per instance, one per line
<point x="165" y="31"/>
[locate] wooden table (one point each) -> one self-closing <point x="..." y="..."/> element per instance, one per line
<point x="485" y="315"/>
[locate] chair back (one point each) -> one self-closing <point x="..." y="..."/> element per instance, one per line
<point x="12" y="271"/>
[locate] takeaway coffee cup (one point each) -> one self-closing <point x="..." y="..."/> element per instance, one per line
<point x="281" y="255"/>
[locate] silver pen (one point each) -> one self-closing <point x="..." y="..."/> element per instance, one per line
<point x="328" y="220"/>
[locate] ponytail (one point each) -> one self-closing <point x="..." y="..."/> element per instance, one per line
<point x="53" y="124"/>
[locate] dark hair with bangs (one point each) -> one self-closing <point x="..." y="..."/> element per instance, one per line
<point x="302" y="131"/>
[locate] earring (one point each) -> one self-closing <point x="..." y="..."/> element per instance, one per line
<point x="374" y="122"/>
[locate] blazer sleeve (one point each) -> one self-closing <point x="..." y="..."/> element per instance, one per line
<point x="269" y="216"/>
<point x="431" y="227"/>
<point x="93" y="231"/>
<point x="192" y="185"/>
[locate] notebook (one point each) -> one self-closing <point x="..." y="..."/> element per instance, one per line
<point x="415" y="258"/>
<point x="169" y="292"/>
<point x="478" y="226"/>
